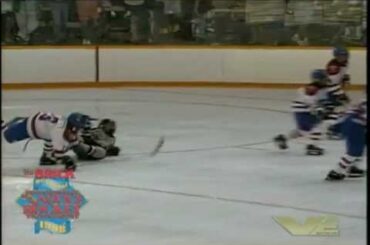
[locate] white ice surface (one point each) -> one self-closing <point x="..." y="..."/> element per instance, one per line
<point x="204" y="188"/>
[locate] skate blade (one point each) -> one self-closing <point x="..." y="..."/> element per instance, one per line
<point x="315" y="154"/>
<point x="332" y="179"/>
<point x="356" y="176"/>
<point x="348" y="178"/>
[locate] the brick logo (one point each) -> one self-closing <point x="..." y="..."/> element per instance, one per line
<point x="52" y="202"/>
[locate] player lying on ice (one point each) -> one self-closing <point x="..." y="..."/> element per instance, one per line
<point x="307" y="114"/>
<point x="59" y="134"/>
<point x="97" y="142"/>
<point x="353" y="127"/>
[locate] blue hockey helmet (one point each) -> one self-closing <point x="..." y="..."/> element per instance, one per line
<point x="319" y="77"/>
<point x="77" y="121"/>
<point x="340" y="51"/>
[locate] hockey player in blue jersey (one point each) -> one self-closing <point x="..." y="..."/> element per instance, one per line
<point x="353" y="128"/>
<point x="307" y="112"/>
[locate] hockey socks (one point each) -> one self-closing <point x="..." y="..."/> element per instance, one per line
<point x="346" y="168"/>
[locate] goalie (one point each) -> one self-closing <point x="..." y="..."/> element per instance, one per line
<point x="96" y="143"/>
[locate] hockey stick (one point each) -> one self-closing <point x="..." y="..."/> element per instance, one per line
<point x="157" y="147"/>
<point x="128" y="156"/>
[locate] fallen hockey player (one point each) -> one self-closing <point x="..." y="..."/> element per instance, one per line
<point x="96" y="143"/>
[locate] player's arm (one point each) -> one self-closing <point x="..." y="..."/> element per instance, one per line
<point x="61" y="146"/>
<point x="113" y="150"/>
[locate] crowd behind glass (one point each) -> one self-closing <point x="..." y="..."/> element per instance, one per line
<point x="237" y="22"/>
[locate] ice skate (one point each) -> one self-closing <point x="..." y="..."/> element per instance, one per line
<point x="281" y="142"/>
<point x="313" y="150"/>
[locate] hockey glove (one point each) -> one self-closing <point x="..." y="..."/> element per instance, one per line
<point x="113" y="151"/>
<point x="68" y="162"/>
<point x="346" y="79"/>
<point x="344" y="99"/>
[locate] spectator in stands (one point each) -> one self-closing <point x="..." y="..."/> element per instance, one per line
<point x="287" y="9"/>
<point x="139" y="24"/>
<point x="156" y="20"/>
<point x="203" y="6"/>
<point x="89" y="15"/>
<point x="172" y="11"/>
<point x="364" y="37"/>
<point x="201" y="20"/>
<point x="60" y="11"/>
<point x="188" y="13"/>
<point x="364" y="23"/>
<point x="300" y="37"/>
<point x="191" y="9"/>
<point x="9" y="26"/>
<point x="26" y="15"/>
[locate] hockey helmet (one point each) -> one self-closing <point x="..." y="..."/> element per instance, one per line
<point x="340" y="51"/>
<point x="108" y="126"/>
<point x="319" y="78"/>
<point x="77" y="121"/>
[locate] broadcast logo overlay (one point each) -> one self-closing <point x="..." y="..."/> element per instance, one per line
<point x="53" y="202"/>
<point x="312" y="226"/>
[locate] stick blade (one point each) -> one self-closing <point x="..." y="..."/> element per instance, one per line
<point x="158" y="147"/>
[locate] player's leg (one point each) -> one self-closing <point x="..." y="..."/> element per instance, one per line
<point x="355" y="145"/>
<point x="355" y="171"/>
<point x="334" y="107"/>
<point x="15" y="130"/>
<point x="340" y="172"/>
<point x="281" y="140"/>
<point x="47" y="157"/>
<point x="314" y="136"/>
<point x="333" y="130"/>
<point x="307" y="126"/>
<point x="89" y="152"/>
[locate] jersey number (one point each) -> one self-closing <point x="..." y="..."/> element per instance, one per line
<point x="49" y="117"/>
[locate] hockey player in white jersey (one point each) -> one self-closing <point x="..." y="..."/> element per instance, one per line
<point x="353" y="127"/>
<point x="59" y="134"/>
<point x="336" y="70"/>
<point x="307" y="114"/>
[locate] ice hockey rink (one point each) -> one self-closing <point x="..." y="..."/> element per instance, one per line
<point x="217" y="180"/>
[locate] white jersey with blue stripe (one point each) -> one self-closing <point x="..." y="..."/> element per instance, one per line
<point x="49" y="127"/>
<point x="336" y="72"/>
<point x="305" y="102"/>
<point x="358" y="113"/>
